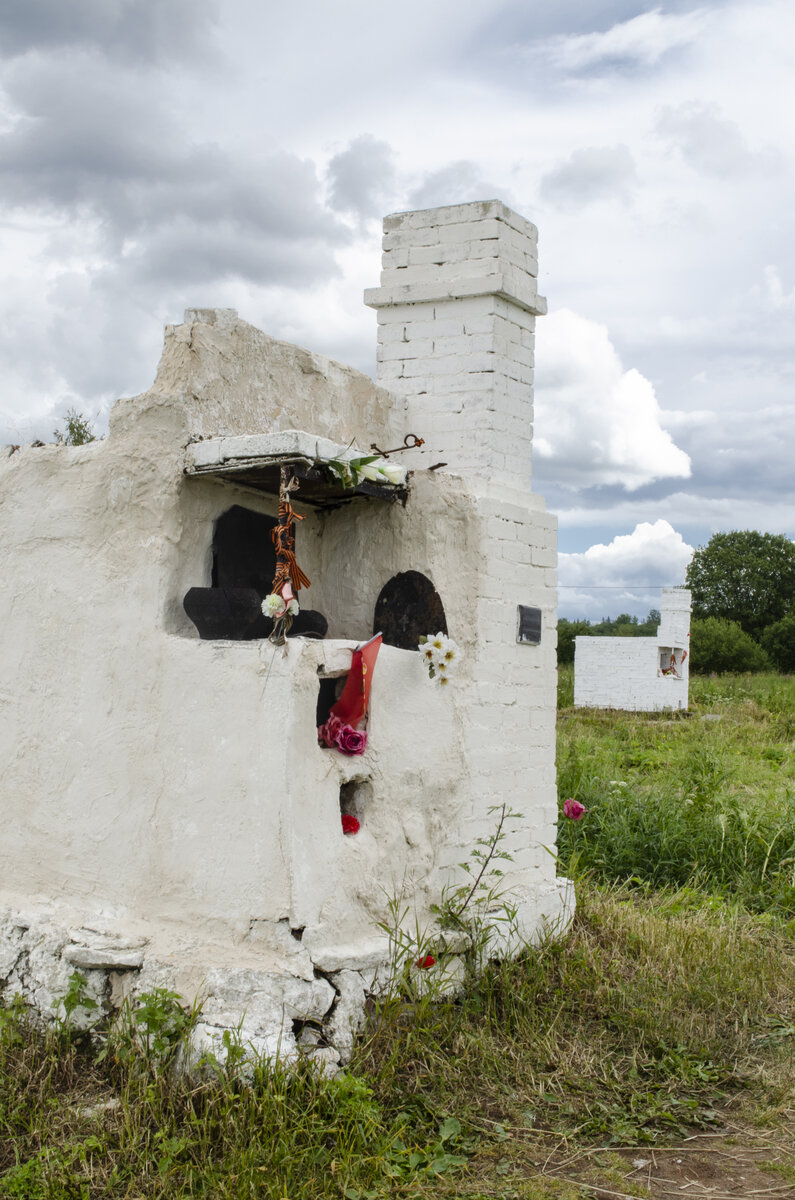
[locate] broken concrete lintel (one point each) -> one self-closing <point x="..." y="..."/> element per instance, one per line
<point x="104" y="958"/>
<point x="292" y="444"/>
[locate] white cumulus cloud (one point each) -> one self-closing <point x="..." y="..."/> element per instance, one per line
<point x="626" y="573"/>
<point x="642" y="40"/>
<point x="595" y="422"/>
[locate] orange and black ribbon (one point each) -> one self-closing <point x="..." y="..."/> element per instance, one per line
<point x="287" y="569"/>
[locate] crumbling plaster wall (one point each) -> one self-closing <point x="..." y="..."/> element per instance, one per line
<point x="168" y="815"/>
<point x="169" y="752"/>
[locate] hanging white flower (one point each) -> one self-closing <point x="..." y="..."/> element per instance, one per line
<point x="273" y="605"/>
<point x="441" y="656"/>
<point x="449" y="655"/>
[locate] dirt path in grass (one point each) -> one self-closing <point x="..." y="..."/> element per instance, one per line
<point x="735" y="1164"/>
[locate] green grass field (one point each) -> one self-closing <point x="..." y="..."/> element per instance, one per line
<point x="704" y="799"/>
<point x="667" y="1012"/>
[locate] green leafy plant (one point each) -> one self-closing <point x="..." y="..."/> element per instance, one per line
<point x="778" y="641"/>
<point x="78" y="431"/>
<point x="480" y="908"/>
<point x="473" y="919"/>
<point x="76" y="996"/>
<point x="743" y="576"/>
<point x="149" y="1030"/>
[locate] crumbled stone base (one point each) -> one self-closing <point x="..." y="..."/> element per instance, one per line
<point x="275" y="1001"/>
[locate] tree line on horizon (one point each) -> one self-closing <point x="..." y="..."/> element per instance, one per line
<point x="743" y="588"/>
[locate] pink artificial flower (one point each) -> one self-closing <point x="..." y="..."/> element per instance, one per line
<point x="426" y="962"/>
<point x="573" y="809"/>
<point x="326" y="734"/>
<point x="336" y="734"/>
<point x="350" y="740"/>
<point x="350" y="824"/>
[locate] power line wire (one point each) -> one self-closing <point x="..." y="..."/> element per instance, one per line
<point x="595" y="587"/>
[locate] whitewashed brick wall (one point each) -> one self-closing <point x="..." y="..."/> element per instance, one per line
<point x="456" y="319"/>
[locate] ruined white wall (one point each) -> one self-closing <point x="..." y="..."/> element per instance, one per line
<point x="165" y="797"/>
<point x="615" y="672"/>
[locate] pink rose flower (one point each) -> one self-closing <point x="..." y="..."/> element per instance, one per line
<point x="336" y="734"/>
<point x="573" y="809"/>
<point x="327" y="734"/>
<point x="350" y="740"/>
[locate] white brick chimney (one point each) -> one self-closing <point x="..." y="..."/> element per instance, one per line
<point x="456" y="316"/>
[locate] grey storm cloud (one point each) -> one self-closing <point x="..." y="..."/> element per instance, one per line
<point x="126" y="29"/>
<point x="90" y="142"/>
<point x="589" y="174"/>
<point x="361" y="177"/>
<point x="707" y="141"/>
<point x="455" y="183"/>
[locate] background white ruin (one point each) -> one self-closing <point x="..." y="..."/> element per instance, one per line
<point x="642" y="674"/>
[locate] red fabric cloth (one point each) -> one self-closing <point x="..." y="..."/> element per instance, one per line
<point x="352" y="704"/>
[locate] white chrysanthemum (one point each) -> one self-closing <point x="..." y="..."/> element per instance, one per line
<point x="292" y="607"/>
<point x="273" y="605"/>
<point x="428" y="655"/>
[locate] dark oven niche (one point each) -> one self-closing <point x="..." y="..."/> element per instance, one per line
<point x="243" y="567"/>
<point x="408" y="608"/>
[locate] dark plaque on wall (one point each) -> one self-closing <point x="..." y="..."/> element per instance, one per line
<point x="528" y="631"/>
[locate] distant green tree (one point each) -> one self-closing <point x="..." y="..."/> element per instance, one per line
<point x="743" y="576"/>
<point x="567" y="632"/>
<point x="721" y="646"/>
<point x="79" y="430"/>
<point x="779" y="642"/>
<point x="623" y="625"/>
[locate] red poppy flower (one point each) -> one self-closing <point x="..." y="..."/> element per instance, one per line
<point x="350" y="824"/>
<point x="424" y="963"/>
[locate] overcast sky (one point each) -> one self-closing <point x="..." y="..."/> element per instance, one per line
<point x="160" y="154"/>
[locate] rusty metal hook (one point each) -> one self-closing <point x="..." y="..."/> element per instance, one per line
<point x="410" y="442"/>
